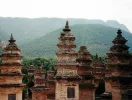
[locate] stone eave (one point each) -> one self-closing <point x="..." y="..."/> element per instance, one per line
<point x="10" y="49"/>
<point x="84" y="59"/>
<point x="65" y="37"/>
<point x="120" y="40"/>
<point x="66" y="53"/>
<point x="84" y="67"/>
<point x="87" y="76"/>
<point x="66" y="64"/>
<point x="119" y="54"/>
<point x="66" y="45"/>
<point x="11" y="55"/>
<point x="12" y="85"/>
<point x="10" y="64"/>
<point x="123" y="65"/>
<point x="68" y="77"/>
<point x="98" y="73"/>
<point x="39" y="88"/>
<point x="86" y="85"/>
<point x="119" y="78"/>
<point x="99" y="68"/>
<point x="12" y="75"/>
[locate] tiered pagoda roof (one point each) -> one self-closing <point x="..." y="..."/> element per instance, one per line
<point x="31" y="71"/>
<point x="118" y="62"/>
<point x="66" y="55"/>
<point x="11" y="66"/>
<point x="97" y="61"/>
<point x="84" y="65"/>
<point x="119" y="48"/>
<point x="11" y="52"/>
<point x="39" y="80"/>
<point x="66" y="43"/>
<point x="50" y="75"/>
<point x="98" y="68"/>
<point x="12" y="46"/>
<point x="84" y="57"/>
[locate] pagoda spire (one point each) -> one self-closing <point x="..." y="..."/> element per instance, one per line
<point x="67" y="27"/>
<point x="119" y="44"/>
<point x="12" y="39"/>
<point x="119" y="33"/>
<point x="67" y="24"/>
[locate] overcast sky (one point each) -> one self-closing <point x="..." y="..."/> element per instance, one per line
<point x="120" y="10"/>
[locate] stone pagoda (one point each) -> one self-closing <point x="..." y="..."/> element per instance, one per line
<point x="39" y="91"/>
<point x="11" y="86"/>
<point x="118" y="76"/>
<point x="86" y="85"/>
<point x="67" y="86"/>
<point x="98" y="69"/>
<point x="51" y="84"/>
<point x="31" y="71"/>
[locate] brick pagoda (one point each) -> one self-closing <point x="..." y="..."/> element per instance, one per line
<point x="39" y="91"/>
<point x="98" y="69"/>
<point x="67" y="86"/>
<point x="118" y="76"/>
<point x="11" y="86"/>
<point x="86" y="85"/>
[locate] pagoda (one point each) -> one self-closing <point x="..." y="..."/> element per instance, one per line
<point x="86" y="85"/>
<point x="11" y="86"/>
<point x="118" y="75"/>
<point x="98" y="69"/>
<point x="66" y="78"/>
<point x="39" y="91"/>
<point x="31" y="69"/>
<point x="51" y="84"/>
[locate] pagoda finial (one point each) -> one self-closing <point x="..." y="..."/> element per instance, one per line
<point x="119" y="32"/>
<point x="67" y="24"/>
<point x="67" y="27"/>
<point x="12" y="39"/>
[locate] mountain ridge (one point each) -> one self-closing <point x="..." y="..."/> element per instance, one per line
<point x="26" y="29"/>
<point x="96" y="37"/>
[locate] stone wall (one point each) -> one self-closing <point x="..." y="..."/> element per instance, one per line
<point x="86" y="94"/>
<point x="61" y="91"/>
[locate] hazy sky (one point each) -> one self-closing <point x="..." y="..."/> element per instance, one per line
<point x="120" y="10"/>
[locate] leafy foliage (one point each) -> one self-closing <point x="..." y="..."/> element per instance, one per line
<point x="46" y="65"/>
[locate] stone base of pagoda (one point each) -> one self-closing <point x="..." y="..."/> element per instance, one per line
<point x="86" y="92"/>
<point x="51" y="91"/>
<point x="39" y="93"/>
<point x="6" y="91"/>
<point x="61" y="91"/>
<point x="106" y="96"/>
